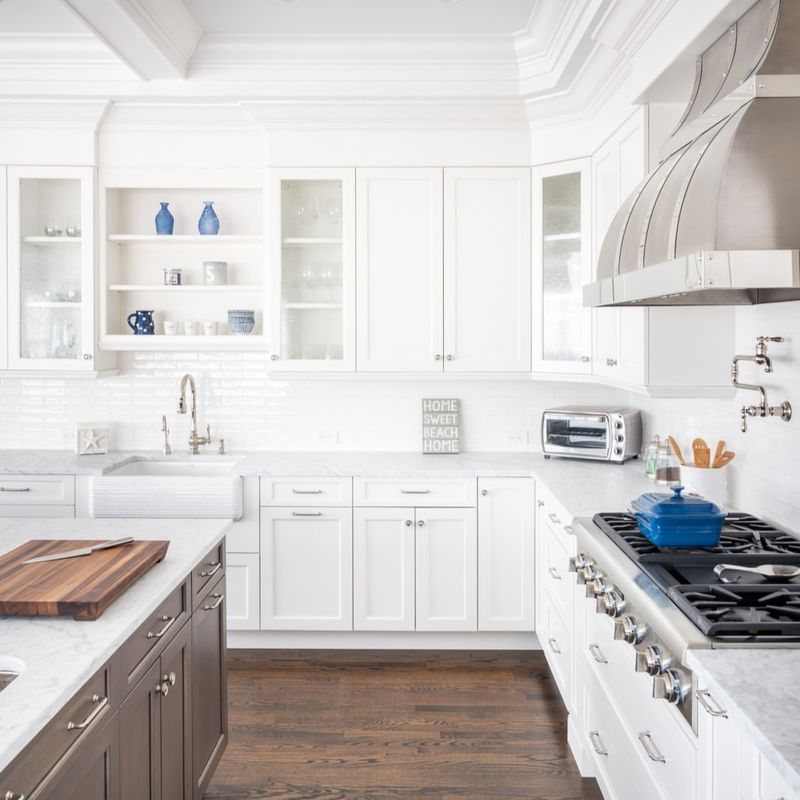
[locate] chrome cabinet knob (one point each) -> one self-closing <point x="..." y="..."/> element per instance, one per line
<point x="585" y="359"/>
<point x="629" y="629"/>
<point x="540" y="503"/>
<point x="651" y="660"/>
<point x="274" y="357"/>
<point x="484" y="492"/>
<point x="437" y="357"/>
<point x="14" y="796"/>
<point x="87" y="356"/>
<point x="421" y="523"/>
<point x="670" y="686"/>
<point x="171" y="677"/>
<point x="611" y="362"/>
<point x="409" y="523"/>
<point x="449" y="357"/>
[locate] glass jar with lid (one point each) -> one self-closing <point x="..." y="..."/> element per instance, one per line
<point x="650" y="453"/>
<point x="667" y="469"/>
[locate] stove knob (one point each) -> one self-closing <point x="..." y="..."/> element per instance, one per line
<point x="579" y="561"/>
<point x="587" y="573"/>
<point x="612" y="603"/>
<point x="671" y="686"/>
<point x="651" y="660"/>
<point x="597" y="587"/>
<point x="629" y="629"/>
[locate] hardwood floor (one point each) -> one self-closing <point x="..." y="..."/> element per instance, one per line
<point x="345" y="725"/>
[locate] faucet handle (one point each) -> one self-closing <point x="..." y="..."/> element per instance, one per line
<point x="769" y="339"/>
<point x="208" y="433"/>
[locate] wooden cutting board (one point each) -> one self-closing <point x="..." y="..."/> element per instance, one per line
<point x="82" y="587"/>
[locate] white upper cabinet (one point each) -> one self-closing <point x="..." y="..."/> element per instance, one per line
<point x="399" y="270"/>
<point x="562" y="327"/>
<point x="312" y="266"/>
<point x="51" y="268"/>
<point x="3" y="269"/>
<point x="487" y="269"/>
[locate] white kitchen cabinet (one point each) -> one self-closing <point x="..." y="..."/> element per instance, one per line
<point x="312" y="269"/>
<point x="242" y="594"/>
<point x="242" y="534"/>
<point x="562" y="326"/>
<point x="446" y="569"/>
<point x="487" y="269"/>
<point x="306" y="568"/>
<point x="506" y="569"/>
<point x="399" y="270"/>
<point x="3" y="266"/>
<point x="383" y="569"/>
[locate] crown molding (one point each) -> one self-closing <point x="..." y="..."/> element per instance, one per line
<point x="87" y="115"/>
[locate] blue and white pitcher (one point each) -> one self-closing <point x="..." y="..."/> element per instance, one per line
<point x="141" y="323"/>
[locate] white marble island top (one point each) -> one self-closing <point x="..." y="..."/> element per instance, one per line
<point x="61" y="654"/>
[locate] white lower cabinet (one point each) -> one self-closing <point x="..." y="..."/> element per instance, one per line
<point x="306" y="568"/>
<point x="383" y="569"/>
<point x="242" y="594"/>
<point x="506" y="569"/>
<point x="446" y="569"/>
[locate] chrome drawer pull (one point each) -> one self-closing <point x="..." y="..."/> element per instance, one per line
<point x="597" y="654"/>
<point x="650" y="748"/>
<point x="554" y="519"/>
<point x="415" y="491"/>
<point x="710" y="704"/>
<point x="554" y="573"/>
<point x="597" y="743"/>
<point x="554" y="646"/>
<point x="216" y="604"/>
<point x="568" y="529"/>
<point x="216" y="566"/>
<point x="14" y="489"/>
<point x="101" y="703"/>
<point x="306" y="513"/>
<point x="14" y="796"/>
<point x="306" y="491"/>
<point x="169" y="622"/>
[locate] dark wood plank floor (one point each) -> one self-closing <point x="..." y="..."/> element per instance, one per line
<point x="361" y="725"/>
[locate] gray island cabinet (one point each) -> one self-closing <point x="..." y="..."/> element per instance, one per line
<point x="151" y="724"/>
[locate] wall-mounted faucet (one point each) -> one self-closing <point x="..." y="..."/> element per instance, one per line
<point x="194" y="440"/>
<point x="763" y="409"/>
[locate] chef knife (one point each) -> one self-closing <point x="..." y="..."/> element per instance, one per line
<point x="81" y="551"/>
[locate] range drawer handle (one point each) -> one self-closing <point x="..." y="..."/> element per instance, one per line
<point x="710" y="704"/>
<point x="415" y="491"/>
<point x="554" y="646"/>
<point x="650" y="747"/>
<point x="306" y="513"/>
<point x="554" y="573"/>
<point x="306" y="491"/>
<point x="216" y="566"/>
<point x="15" y="489"/>
<point x="99" y="704"/>
<point x="597" y="654"/>
<point x="14" y="796"/>
<point x="597" y="743"/>
<point x="168" y="623"/>
<point x="216" y="604"/>
<point x="554" y="519"/>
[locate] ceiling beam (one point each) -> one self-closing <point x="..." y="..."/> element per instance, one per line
<point x="155" y="38"/>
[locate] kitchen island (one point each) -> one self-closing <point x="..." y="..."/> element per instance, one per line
<point x="116" y="652"/>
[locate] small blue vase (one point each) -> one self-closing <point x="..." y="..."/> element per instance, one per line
<point x="208" y="224"/>
<point x="141" y="323"/>
<point x="164" y="221"/>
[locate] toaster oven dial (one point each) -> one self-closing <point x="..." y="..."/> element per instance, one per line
<point x="617" y="451"/>
<point x="618" y="425"/>
<point x="671" y="686"/>
<point x="587" y="573"/>
<point x="629" y="629"/>
<point x="651" y="660"/>
<point x="597" y="587"/>
<point x="612" y="603"/>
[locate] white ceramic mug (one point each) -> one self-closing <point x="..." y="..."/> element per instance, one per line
<point x="170" y="327"/>
<point x="210" y="328"/>
<point x="190" y="327"/>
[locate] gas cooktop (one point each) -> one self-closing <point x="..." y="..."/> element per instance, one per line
<point x="743" y="607"/>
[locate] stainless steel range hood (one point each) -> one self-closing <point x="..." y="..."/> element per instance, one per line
<point x="718" y="222"/>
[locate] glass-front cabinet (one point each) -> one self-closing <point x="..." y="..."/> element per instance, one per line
<point x="562" y="327"/>
<point x="313" y="269"/>
<point x="51" y="268"/>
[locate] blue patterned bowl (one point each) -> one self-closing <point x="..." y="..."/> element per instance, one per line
<point x="241" y="321"/>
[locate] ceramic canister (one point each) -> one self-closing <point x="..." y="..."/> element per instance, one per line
<point x="215" y="273"/>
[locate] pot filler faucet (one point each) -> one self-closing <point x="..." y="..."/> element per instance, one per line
<point x="763" y="409"/>
<point x="194" y="440"/>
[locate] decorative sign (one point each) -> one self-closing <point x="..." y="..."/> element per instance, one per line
<point x="440" y="426"/>
<point x="91" y="438"/>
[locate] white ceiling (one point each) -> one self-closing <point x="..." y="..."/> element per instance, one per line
<point x="38" y="17"/>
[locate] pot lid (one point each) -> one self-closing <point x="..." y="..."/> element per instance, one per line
<point x="675" y="505"/>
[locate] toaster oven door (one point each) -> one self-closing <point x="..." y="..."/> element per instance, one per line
<point x="580" y="436"/>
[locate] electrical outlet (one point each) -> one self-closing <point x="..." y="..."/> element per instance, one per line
<point x="516" y="439"/>
<point x="328" y="437"/>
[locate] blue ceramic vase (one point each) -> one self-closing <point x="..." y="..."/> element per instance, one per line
<point x="164" y="221"/>
<point x="208" y="224"/>
<point x="141" y="323"/>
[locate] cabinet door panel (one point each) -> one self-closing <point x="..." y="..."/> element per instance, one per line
<point x="383" y="569"/>
<point x="505" y="554"/>
<point x="399" y="270"/>
<point x="176" y="717"/>
<point x="242" y="571"/>
<point x="447" y="569"/>
<point x="140" y="725"/>
<point x="306" y="568"/>
<point x="487" y="269"/>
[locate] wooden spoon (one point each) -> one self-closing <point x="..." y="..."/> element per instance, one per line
<point x="675" y="449"/>
<point x="702" y="453"/>
<point x="724" y="459"/>
<point x="718" y="453"/>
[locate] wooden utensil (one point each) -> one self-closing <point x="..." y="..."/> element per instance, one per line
<point x="718" y="453"/>
<point x="82" y="588"/>
<point x="702" y="453"/>
<point x="677" y="450"/>
<point x="724" y="459"/>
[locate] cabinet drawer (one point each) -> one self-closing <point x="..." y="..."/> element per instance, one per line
<point x="24" y="490"/>
<point x="416" y="492"/>
<point x="135" y="657"/>
<point x="84" y="713"/>
<point x="51" y="512"/>
<point x="556" y="578"/>
<point x="556" y="640"/>
<point x="207" y="572"/>
<point x="306" y="491"/>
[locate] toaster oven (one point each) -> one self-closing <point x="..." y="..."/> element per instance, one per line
<point x="600" y="434"/>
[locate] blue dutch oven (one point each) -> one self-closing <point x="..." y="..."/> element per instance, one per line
<point x="677" y="521"/>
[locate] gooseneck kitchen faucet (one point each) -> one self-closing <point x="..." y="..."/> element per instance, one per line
<point x="194" y="440"/>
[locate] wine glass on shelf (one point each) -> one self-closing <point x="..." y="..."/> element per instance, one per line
<point x="301" y="218"/>
<point x="310" y="281"/>
<point x="334" y="213"/>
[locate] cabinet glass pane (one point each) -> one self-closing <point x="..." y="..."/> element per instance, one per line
<point x="561" y="268"/>
<point x="50" y="268"/>
<point x="312" y="315"/>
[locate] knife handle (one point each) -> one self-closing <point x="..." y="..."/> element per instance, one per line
<point x="113" y="543"/>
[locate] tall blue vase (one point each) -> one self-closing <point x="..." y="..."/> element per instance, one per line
<point x="164" y="221"/>
<point x="208" y="224"/>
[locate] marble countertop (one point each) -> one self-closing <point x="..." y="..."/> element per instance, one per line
<point x="756" y="688"/>
<point x="61" y="654"/>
